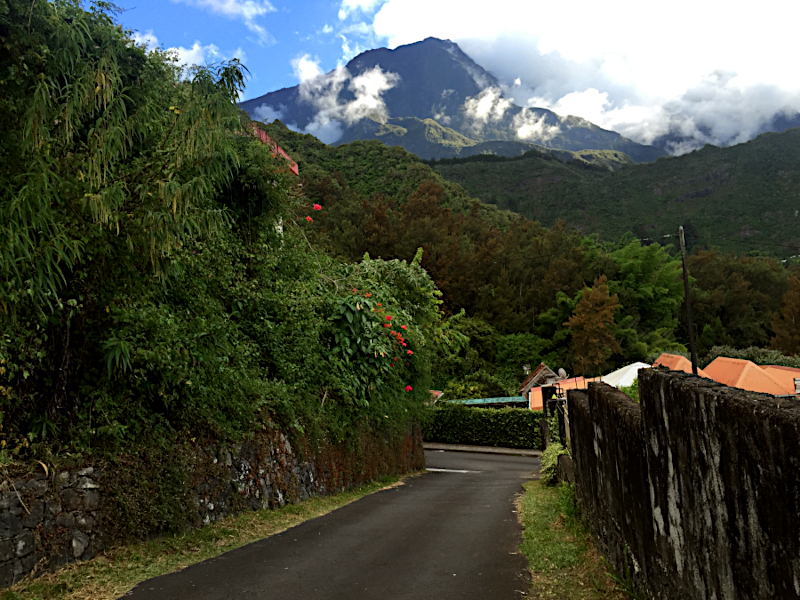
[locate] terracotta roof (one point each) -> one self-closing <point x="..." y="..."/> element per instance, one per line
<point x="746" y="375"/>
<point x="785" y="375"/>
<point x="676" y="362"/>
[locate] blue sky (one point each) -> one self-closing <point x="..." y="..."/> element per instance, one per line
<point x="709" y="70"/>
<point x="267" y="36"/>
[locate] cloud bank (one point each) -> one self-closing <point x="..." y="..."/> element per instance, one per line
<point x="692" y="69"/>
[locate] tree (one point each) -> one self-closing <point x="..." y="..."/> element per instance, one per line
<point x="786" y="323"/>
<point x="592" y="328"/>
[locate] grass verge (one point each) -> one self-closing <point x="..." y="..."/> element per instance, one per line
<point x="564" y="562"/>
<point x="119" y="569"/>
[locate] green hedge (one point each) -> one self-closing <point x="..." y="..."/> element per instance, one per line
<point x="505" y="427"/>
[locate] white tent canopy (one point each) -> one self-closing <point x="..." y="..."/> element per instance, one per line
<point x="625" y="376"/>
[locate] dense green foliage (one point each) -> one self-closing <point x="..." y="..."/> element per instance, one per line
<point x="548" y="474"/>
<point x="736" y="198"/>
<point x="518" y="281"/>
<point x="157" y="279"/>
<point x="504" y="427"/>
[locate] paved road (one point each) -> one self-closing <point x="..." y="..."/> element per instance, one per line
<point x="443" y="535"/>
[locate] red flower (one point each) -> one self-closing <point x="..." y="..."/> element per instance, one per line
<point x="317" y="207"/>
<point x="388" y="318"/>
<point x="379" y="303"/>
<point x="409" y="352"/>
<point x="403" y="327"/>
<point x="367" y="295"/>
<point x="409" y="388"/>
<point x="309" y="219"/>
<point x="403" y="343"/>
<point x="386" y="325"/>
<point x="391" y="365"/>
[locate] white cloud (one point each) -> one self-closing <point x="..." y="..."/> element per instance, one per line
<point x="644" y="69"/>
<point x="148" y="39"/>
<point x="351" y="7"/>
<point x="323" y="91"/>
<point x="532" y="127"/>
<point x="488" y="106"/>
<point x="327" y="29"/>
<point x="247" y="11"/>
<point x="306" y="68"/>
<point x="198" y="54"/>
<point x="267" y="113"/>
<point x="201" y="55"/>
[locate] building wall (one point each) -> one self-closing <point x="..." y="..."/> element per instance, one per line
<point x="701" y="484"/>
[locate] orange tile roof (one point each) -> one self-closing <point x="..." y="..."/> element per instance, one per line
<point x="785" y="375"/>
<point x="676" y="362"/>
<point x="746" y="375"/>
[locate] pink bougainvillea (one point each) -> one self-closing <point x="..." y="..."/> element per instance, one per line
<point x="409" y="388"/>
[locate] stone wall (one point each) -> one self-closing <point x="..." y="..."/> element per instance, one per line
<point x="701" y="483"/>
<point x="53" y="518"/>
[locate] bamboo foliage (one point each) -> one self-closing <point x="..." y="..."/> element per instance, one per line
<point x="102" y="134"/>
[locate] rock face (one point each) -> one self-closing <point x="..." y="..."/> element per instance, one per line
<point x="47" y="521"/>
<point x="697" y="490"/>
<point x="429" y="80"/>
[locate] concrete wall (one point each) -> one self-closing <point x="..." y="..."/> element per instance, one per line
<point x="69" y="515"/>
<point x="701" y="483"/>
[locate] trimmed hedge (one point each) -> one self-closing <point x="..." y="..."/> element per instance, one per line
<point x="504" y="427"/>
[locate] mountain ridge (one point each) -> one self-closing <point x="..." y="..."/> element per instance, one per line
<point x="431" y="79"/>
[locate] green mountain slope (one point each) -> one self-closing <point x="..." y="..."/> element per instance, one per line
<point x="429" y="140"/>
<point x="741" y="198"/>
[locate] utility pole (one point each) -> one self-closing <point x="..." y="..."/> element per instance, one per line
<point x="688" y="301"/>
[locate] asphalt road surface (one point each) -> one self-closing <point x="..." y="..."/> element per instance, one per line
<point x="451" y="533"/>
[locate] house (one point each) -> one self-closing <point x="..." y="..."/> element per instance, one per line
<point x="676" y="362"/>
<point x="531" y="387"/>
<point x="746" y="375"/>
<point x="787" y="376"/>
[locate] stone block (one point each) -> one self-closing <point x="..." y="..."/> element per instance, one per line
<point x="91" y="500"/>
<point x="80" y="542"/>
<point x="85" y="472"/>
<point x="36" y="488"/>
<point x="8" y="500"/>
<point x="72" y="500"/>
<point x="83" y="522"/>
<point x="84" y="483"/>
<point x="8" y="550"/>
<point x="24" y="565"/>
<point x="6" y="573"/>
<point x="35" y="517"/>
<point x="24" y="544"/>
<point x="65" y="520"/>
<point x="10" y="524"/>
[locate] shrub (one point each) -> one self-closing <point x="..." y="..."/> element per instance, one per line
<point x="548" y="474"/>
<point x="505" y="427"/>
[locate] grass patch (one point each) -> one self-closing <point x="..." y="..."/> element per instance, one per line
<point x="564" y="563"/>
<point x="119" y="569"/>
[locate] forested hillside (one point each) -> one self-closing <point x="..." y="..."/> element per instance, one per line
<point x="739" y="198"/>
<point x="519" y="282"/>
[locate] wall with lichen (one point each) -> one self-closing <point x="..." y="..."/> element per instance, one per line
<point x="696" y="490"/>
<point x="59" y="516"/>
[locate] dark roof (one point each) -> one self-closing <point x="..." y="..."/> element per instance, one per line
<point x="533" y="379"/>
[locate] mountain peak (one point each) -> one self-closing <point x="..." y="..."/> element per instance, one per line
<point x="430" y="79"/>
